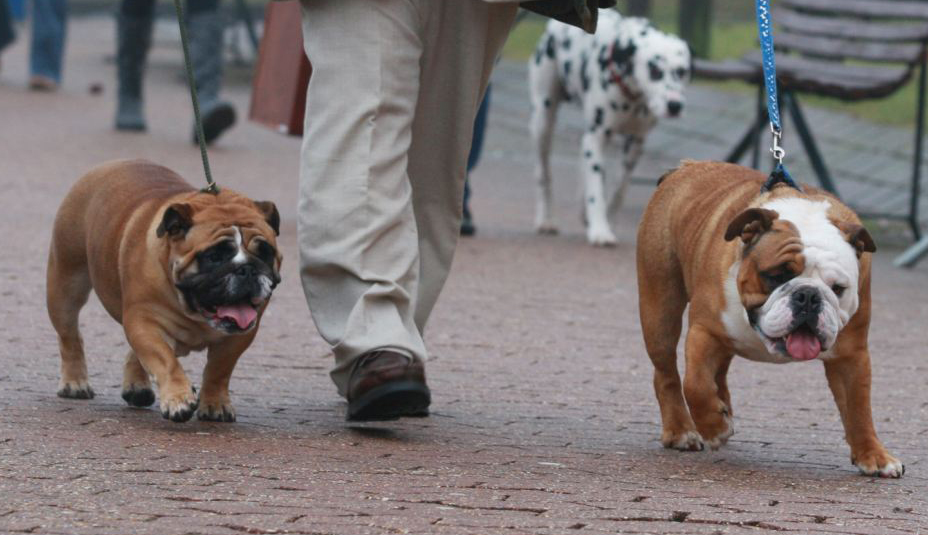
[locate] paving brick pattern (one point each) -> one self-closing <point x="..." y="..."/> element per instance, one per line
<point x="543" y="422"/>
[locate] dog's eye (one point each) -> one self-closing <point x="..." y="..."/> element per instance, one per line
<point x="838" y="290"/>
<point x="265" y="252"/>
<point x="219" y="253"/>
<point x="655" y="72"/>
<point x="681" y="73"/>
<point x="777" y="278"/>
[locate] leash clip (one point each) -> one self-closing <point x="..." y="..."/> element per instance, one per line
<point x="212" y="189"/>
<point x="778" y="151"/>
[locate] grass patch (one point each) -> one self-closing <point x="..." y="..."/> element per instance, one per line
<point x="731" y="38"/>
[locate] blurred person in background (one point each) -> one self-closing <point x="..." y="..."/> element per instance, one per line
<point x="476" y="148"/>
<point x="49" y="22"/>
<point x="205" y="25"/>
<point x="7" y="34"/>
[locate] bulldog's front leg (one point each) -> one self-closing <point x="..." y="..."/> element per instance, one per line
<point x="707" y="360"/>
<point x="151" y="347"/>
<point x="221" y="357"/>
<point x="598" y="231"/>
<point x="849" y="378"/>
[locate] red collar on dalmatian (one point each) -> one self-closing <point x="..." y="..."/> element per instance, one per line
<point x="617" y="78"/>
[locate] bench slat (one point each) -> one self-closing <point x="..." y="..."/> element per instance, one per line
<point x="874" y="73"/>
<point x="863" y="8"/>
<point x="849" y="28"/>
<point x="836" y="48"/>
<point x="848" y="82"/>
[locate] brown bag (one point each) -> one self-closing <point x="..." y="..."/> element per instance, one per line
<point x="278" y="97"/>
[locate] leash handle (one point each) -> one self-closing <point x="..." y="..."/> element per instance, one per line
<point x="201" y="140"/>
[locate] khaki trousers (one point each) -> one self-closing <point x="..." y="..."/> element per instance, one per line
<point x="389" y="118"/>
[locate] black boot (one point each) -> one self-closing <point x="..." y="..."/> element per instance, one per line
<point x="133" y="36"/>
<point x="205" y="29"/>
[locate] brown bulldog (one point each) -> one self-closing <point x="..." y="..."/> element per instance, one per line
<point x="780" y="276"/>
<point x="181" y="270"/>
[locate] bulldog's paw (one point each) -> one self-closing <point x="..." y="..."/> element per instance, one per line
<point x="878" y="463"/>
<point x="600" y="236"/>
<point x="683" y="441"/>
<point x="716" y="430"/>
<point x="79" y="389"/>
<point x="216" y="412"/>
<point x="179" y="408"/>
<point x="139" y="395"/>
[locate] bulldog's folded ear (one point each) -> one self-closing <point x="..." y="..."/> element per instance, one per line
<point x="858" y="237"/>
<point x="750" y="223"/>
<point x="176" y="221"/>
<point x="271" y="215"/>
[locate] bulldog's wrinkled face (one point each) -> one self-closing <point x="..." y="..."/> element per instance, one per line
<point x="799" y="274"/>
<point x="662" y="70"/>
<point x="224" y="260"/>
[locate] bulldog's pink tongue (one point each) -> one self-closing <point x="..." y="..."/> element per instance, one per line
<point x="802" y="344"/>
<point x="243" y="315"/>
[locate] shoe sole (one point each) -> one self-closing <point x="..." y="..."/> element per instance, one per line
<point x="391" y="402"/>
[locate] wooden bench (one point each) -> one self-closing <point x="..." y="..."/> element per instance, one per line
<point x="847" y="49"/>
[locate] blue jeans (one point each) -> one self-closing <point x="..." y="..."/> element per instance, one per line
<point x="7" y="35"/>
<point x="476" y="146"/>
<point x="49" y="20"/>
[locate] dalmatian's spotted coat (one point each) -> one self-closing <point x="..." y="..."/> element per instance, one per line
<point x="624" y="76"/>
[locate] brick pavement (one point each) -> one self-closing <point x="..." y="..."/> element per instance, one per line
<point x="543" y="422"/>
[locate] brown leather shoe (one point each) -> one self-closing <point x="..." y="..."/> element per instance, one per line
<point x="385" y="385"/>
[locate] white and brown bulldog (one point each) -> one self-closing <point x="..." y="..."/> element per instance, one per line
<point x="180" y="269"/>
<point x="777" y="276"/>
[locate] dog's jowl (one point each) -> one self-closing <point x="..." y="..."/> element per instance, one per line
<point x="778" y="276"/>
<point x="181" y="270"/>
<point x="625" y="76"/>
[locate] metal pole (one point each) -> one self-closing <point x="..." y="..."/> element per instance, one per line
<point x="815" y="157"/>
<point x="917" y="164"/>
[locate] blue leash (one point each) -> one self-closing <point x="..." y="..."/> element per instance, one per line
<point x="765" y="32"/>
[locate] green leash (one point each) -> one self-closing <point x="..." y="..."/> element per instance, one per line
<point x="211" y="187"/>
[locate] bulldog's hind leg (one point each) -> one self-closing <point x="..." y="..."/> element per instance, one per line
<point x="136" y="384"/>
<point x="215" y="404"/>
<point x="67" y="288"/>
<point x="661" y="300"/>
<point x="545" y="92"/>
<point x="706" y="361"/>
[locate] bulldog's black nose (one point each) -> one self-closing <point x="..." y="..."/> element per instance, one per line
<point x="674" y="107"/>
<point x="806" y="302"/>
<point x="245" y="270"/>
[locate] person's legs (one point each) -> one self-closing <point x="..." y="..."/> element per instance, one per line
<point x="134" y="23"/>
<point x="476" y="148"/>
<point x="49" y="22"/>
<point x="7" y="34"/>
<point x="359" y="256"/>
<point x="389" y="116"/>
<point x="462" y="40"/>
<point x="205" y="26"/>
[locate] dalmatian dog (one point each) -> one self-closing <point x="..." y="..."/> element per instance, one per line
<point x="625" y="76"/>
